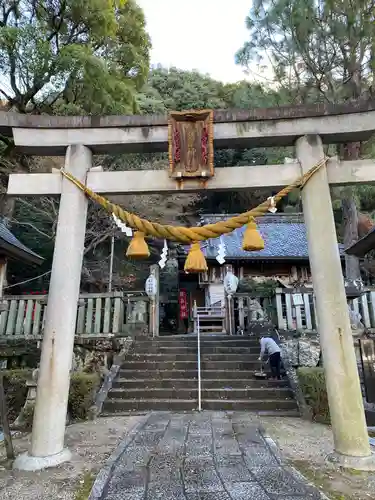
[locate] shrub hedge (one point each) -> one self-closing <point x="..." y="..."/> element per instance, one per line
<point x="15" y="390"/>
<point x="83" y="387"/>
<point x="313" y="386"/>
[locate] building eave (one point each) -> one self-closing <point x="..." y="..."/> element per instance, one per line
<point x="362" y="246"/>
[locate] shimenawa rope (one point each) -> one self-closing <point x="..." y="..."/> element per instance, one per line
<point x="190" y="234"/>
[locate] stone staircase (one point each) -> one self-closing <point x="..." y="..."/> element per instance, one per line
<point x="161" y="374"/>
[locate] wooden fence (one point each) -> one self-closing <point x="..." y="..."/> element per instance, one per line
<point x="98" y="314"/>
<point x="296" y="311"/>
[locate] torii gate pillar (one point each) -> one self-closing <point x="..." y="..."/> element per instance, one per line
<point x="351" y="442"/>
<point x="47" y="446"/>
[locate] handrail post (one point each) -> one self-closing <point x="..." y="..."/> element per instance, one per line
<point x="197" y="329"/>
<point x="199" y="368"/>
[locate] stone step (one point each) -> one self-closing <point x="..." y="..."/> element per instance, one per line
<point x="273" y="405"/>
<point x="143" y="364"/>
<point x="112" y="406"/>
<point x="154" y="383"/>
<point x="209" y="394"/>
<point x="192" y="383"/>
<point x="280" y="413"/>
<point x="209" y="349"/>
<point x="157" y="374"/>
<point x="205" y="356"/>
<point x="206" y="327"/>
<point x="208" y="339"/>
<point x="188" y="374"/>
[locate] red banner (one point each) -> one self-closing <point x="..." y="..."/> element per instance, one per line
<point x="182" y="300"/>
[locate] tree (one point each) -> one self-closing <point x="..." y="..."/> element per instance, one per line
<point x="66" y="57"/>
<point x="72" y="56"/>
<point x="176" y="89"/>
<point x="321" y="52"/>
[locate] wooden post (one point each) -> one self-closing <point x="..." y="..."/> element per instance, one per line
<point x="241" y="313"/>
<point x="3" y="272"/>
<point x="155" y="270"/>
<point x="4" y="419"/>
<point x="230" y="307"/>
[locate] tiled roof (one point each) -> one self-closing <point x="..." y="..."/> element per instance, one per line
<point x="284" y="236"/>
<point x="8" y="238"/>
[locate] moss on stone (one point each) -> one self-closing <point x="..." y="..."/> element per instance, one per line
<point x="313" y="386"/>
<point x="320" y="479"/>
<point x="85" y="486"/>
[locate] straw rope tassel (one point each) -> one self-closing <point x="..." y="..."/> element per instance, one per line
<point x="195" y="261"/>
<point x="252" y="240"/>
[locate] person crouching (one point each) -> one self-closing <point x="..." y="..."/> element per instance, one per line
<point x="269" y="346"/>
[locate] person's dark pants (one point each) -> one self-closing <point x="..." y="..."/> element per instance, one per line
<point x="275" y="364"/>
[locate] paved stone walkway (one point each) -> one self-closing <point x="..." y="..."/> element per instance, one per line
<point x="207" y="456"/>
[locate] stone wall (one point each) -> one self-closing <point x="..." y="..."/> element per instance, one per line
<point x="90" y="355"/>
<point x="93" y="357"/>
<point x="298" y="351"/>
<point x="303" y="350"/>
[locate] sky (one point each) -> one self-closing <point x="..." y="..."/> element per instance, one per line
<point x="198" y="34"/>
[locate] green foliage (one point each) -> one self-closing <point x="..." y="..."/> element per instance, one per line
<point x="313" y="386"/>
<point x="73" y="56"/>
<point x="81" y="394"/>
<point x="255" y="288"/>
<point x="15" y="390"/>
<point x="175" y="89"/>
<point x="319" y="51"/>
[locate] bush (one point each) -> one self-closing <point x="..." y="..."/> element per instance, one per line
<point x="313" y="386"/>
<point x="81" y="394"/>
<point x="15" y="390"/>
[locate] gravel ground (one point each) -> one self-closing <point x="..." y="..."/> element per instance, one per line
<point x="306" y="445"/>
<point x="91" y="444"/>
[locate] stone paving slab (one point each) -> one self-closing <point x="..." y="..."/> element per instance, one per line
<point x="202" y="456"/>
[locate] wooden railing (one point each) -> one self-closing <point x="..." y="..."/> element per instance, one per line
<point x="98" y="314"/>
<point x="296" y="311"/>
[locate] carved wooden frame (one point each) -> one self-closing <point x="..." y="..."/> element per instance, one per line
<point x="205" y="171"/>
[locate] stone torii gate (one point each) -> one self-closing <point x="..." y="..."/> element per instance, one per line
<point x="78" y="138"/>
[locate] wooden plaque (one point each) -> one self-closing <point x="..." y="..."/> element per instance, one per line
<point x="191" y="147"/>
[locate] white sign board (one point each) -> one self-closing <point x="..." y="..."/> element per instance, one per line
<point x="151" y="286"/>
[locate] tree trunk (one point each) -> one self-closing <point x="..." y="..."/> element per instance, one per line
<point x="350" y="220"/>
<point x="350" y="151"/>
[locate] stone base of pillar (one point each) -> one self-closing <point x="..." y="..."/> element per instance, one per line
<point x="351" y="462"/>
<point x="28" y="463"/>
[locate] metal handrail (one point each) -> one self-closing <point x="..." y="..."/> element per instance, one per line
<point x="197" y="328"/>
<point x="199" y="367"/>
